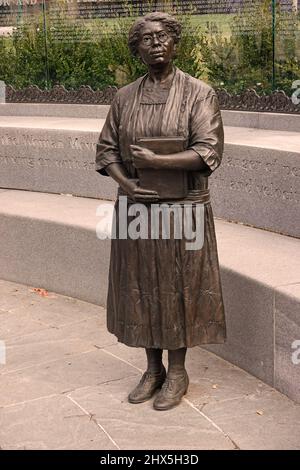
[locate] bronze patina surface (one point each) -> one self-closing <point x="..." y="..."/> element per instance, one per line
<point x="161" y="295"/>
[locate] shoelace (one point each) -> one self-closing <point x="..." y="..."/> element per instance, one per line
<point x="145" y="377"/>
<point x="148" y="375"/>
<point x="169" y="384"/>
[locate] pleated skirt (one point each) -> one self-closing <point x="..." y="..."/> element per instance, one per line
<point x="162" y="295"/>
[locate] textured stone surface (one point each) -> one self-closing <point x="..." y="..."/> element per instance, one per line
<point x="250" y="330"/>
<point x="214" y="379"/>
<point x="55" y="110"/>
<point x="251" y="421"/>
<point x="79" y="399"/>
<point x="270" y="121"/>
<point x="53" y="160"/>
<point x="49" y="345"/>
<point x="287" y="340"/>
<point x="63" y="244"/>
<point x="144" y="428"/>
<point x="269" y="258"/>
<point x="50" y="423"/>
<point x="2" y="91"/>
<point x="259" y="184"/>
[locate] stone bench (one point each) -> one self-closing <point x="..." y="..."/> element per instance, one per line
<point x="49" y="241"/>
<point x="257" y="184"/>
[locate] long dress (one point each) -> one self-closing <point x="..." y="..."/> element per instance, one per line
<point x="160" y="294"/>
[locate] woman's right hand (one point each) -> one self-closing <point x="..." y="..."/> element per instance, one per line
<point x="139" y="194"/>
<point x="130" y="186"/>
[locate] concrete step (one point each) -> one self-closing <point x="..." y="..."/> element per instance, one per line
<point x="50" y="241"/>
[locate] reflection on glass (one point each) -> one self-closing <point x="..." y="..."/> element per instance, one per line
<point x="236" y="44"/>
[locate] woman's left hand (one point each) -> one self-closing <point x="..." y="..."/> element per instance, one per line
<point x="142" y="157"/>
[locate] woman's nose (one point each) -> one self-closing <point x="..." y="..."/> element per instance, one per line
<point x="155" y="40"/>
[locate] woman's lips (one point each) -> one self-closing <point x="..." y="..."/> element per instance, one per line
<point x="157" y="53"/>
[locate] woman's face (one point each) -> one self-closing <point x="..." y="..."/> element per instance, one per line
<point x="156" y="45"/>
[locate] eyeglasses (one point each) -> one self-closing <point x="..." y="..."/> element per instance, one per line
<point x="162" y="36"/>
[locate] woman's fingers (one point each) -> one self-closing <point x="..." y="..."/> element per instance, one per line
<point x="138" y="151"/>
<point x="136" y="147"/>
<point x="145" y="191"/>
<point x="141" y="198"/>
<point x="141" y="151"/>
<point x="145" y="195"/>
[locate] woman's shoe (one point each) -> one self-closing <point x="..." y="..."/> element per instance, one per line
<point x="173" y="389"/>
<point x="147" y="386"/>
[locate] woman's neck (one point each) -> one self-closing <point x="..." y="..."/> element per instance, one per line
<point x="158" y="75"/>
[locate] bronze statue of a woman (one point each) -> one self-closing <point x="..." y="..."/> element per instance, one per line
<point x="162" y="295"/>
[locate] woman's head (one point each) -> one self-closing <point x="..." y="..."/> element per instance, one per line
<point x="156" y="32"/>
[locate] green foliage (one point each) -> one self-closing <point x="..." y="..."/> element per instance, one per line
<point x="236" y="53"/>
<point x="244" y="58"/>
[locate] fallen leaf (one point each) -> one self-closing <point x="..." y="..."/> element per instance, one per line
<point x="259" y="412"/>
<point x="40" y="291"/>
<point x="215" y="386"/>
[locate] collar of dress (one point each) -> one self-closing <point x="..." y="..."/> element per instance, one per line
<point x="174" y="122"/>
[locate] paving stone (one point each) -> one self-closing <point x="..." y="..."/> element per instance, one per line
<point x="55" y="343"/>
<point x="12" y="325"/>
<point x="92" y="444"/>
<point x="244" y="412"/>
<point x="77" y="371"/>
<point x="266" y="420"/>
<point x="180" y="428"/>
<point x="19" y="387"/>
<point x="60" y="311"/>
<point x="7" y="286"/>
<point x="215" y="380"/>
<point x="49" y="423"/>
<point x="135" y="356"/>
<point x="90" y="330"/>
<point x="53" y="310"/>
<point x="211" y="378"/>
<point x="13" y="296"/>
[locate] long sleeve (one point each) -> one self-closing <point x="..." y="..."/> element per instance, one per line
<point x="108" y="144"/>
<point x="206" y="130"/>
